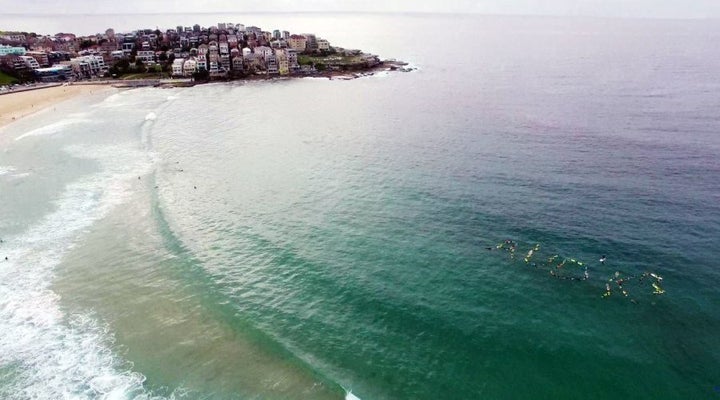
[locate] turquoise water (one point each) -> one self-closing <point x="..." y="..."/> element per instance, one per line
<point x="296" y="239"/>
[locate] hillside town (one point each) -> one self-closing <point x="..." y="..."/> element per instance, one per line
<point x="224" y="51"/>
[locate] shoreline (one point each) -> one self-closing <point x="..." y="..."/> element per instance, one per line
<point x="28" y="101"/>
<point x="24" y="103"/>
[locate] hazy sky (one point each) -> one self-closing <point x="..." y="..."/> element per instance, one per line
<point x="615" y="8"/>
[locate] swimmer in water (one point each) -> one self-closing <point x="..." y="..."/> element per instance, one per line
<point x="602" y="259"/>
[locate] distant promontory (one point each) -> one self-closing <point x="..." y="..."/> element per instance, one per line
<point x="190" y="54"/>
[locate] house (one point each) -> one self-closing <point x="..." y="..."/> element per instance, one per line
<point x="146" y="56"/>
<point x="292" y="57"/>
<point x="271" y="64"/>
<point x="252" y="63"/>
<point x="5" y="50"/>
<point x="225" y="61"/>
<point x="323" y="45"/>
<point x="278" y="44"/>
<point x="282" y="61"/>
<point x="40" y="56"/>
<point x="178" y="66"/>
<point x="263" y="51"/>
<point x="30" y="62"/>
<point x="88" y="66"/>
<point x="13" y="37"/>
<point x="297" y="42"/>
<point x="254" y="30"/>
<point x="190" y="67"/>
<point x="311" y="42"/>
<point x="65" y="37"/>
<point x="237" y="63"/>
<point x="232" y="41"/>
<point x="202" y="64"/>
<point x="128" y="47"/>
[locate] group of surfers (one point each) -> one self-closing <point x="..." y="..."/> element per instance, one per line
<point x="570" y="268"/>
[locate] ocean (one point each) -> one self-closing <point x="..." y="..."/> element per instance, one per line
<point x="304" y="238"/>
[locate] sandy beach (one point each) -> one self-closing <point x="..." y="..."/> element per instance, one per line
<point x="14" y="106"/>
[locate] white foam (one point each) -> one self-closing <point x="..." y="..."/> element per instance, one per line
<point x="6" y="170"/>
<point x="64" y="356"/>
<point x="115" y="100"/>
<point x="350" y="396"/>
<point x="20" y="175"/>
<point x="151" y="116"/>
<point x="54" y="127"/>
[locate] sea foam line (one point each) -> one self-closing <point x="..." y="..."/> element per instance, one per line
<point x="56" y="355"/>
<point x="54" y="128"/>
<point x="6" y="169"/>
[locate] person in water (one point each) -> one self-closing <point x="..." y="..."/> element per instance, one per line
<point x="602" y="259"/>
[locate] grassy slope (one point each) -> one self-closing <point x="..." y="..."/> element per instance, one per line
<point x="6" y="79"/>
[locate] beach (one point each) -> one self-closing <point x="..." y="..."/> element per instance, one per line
<point x="14" y="106"/>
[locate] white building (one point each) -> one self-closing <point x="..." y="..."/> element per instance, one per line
<point x="202" y="62"/>
<point x="88" y="66"/>
<point x="30" y="62"/>
<point x="146" y="56"/>
<point x="177" y="66"/>
<point x="190" y="67"/>
<point x="264" y="52"/>
<point x="323" y="44"/>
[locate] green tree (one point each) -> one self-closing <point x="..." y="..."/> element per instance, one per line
<point x="140" y="66"/>
<point x="201" y="76"/>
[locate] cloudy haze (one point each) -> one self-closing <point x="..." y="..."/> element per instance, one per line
<point x="610" y="8"/>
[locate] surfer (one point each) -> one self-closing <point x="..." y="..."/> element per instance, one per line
<point x="602" y="259"/>
<point x="607" y="290"/>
